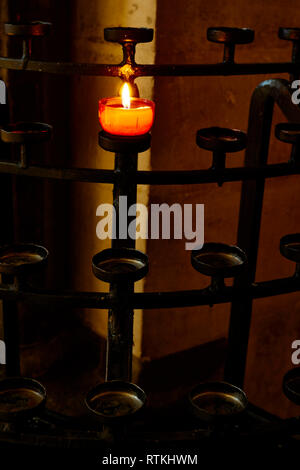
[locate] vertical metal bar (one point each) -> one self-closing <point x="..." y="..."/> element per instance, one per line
<point x="125" y="168"/>
<point x="9" y="308"/>
<point x="259" y="128"/>
<point x="228" y="56"/>
<point x="120" y="335"/>
<point x="11" y="333"/>
<point x="295" y="154"/>
<point x="120" y="318"/>
<point x="295" y="59"/>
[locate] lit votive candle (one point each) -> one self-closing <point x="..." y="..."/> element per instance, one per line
<point x="125" y="115"/>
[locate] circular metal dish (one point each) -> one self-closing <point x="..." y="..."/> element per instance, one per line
<point x="291" y="385"/>
<point x="218" y="259"/>
<point x="214" y="401"/>
<point x="124" y="144"/>
<point x="288" y="132"/>
<point x="290" y="247"/>
<point x="223" y="34"/>
<point x="221" y="139"/>
<point x="32" y="28"/>
<point x="22" y="258"/>
<point x="122" y="35"/>
<point x="21" y="397"/>
<point x="115" y="400"/>
<point x="25" y="132"/>
<point x="120" y="264"/>
<point x="289" y="34"/>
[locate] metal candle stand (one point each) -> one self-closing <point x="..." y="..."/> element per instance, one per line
<point x="118" y="401"/>
<point x="120" y="319"/>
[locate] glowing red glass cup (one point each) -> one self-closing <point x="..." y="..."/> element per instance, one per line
<point x="125" y="115"/>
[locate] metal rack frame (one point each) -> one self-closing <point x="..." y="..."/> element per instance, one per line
<point x="253" y="176"/>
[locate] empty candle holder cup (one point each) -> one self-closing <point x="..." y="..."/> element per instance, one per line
<point x="27" y="31"/>
<point x="23" y="133"/>
<point x="21" y="398"/>
<point x="115" y="401"/>
<point x="220" y="141"/>
<point x="291" y="385"/>
<point x="22" y="258"/>
<point x="289" y="132"/>
<point x="290" y="249"/>
<point x="128" y="38"/>
<point x="217" y="402"/>
<point x="123" y="35"/>
<point x="219" y="261"/>
<point x="230" y="37"/>
<point x="117" y="265"/>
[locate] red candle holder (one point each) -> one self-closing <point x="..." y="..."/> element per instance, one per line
<point x="126" y="115"/>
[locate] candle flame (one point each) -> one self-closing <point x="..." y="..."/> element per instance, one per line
<point x="126" y="96"/>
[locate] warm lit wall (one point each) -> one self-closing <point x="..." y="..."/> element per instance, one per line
<point x="183" y="106"/>
<point x="88" y="45"/>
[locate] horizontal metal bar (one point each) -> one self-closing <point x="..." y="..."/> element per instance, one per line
<point x="74" y="299"/>
<point x="143" y="70"/>
<point x="214" y="176"/>
<point x="221" y="69"/>
<point x="152" y="300"/>
<point x="63" y="68"/>
<point x="193" y="298"/>
<point x="163" y="177"/>
<point x="88" y="175"/>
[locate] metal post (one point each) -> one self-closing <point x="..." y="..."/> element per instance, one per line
<point x="120" y="318"/>
<point x="11" y="332"/>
